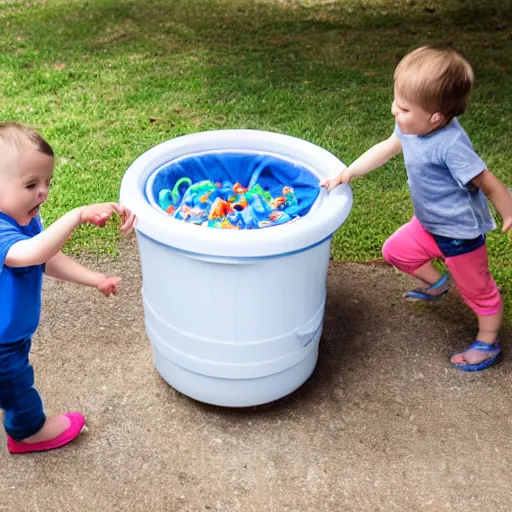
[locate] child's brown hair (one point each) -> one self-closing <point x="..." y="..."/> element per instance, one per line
<point x="15" y="134"/>
<point x="437" y="79"/>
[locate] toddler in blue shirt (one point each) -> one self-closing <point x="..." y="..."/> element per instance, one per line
<point x="26" y="252"/>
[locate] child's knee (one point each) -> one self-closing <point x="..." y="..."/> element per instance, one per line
<point x="389" y="251"/>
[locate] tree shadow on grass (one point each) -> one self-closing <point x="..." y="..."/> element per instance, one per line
<point x="254" y="44"/>
<point x="268" y="65"/>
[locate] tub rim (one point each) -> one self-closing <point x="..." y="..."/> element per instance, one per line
<point x="326" y="216"/>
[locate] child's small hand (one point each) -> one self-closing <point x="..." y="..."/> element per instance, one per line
<point x="332" y="183"/>
<point x="329" y="184"/>
<point x="108" y="284"/>
<point x="127" y="219"/>
<point x="98" y="214"/>
<point x="507" y="225"/>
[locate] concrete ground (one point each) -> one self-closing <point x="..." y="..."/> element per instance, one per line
<point x="384" y="423"/>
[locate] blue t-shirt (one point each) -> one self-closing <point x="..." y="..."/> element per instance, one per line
<point x="20" y="287"/>
<point x="440" y="166"/>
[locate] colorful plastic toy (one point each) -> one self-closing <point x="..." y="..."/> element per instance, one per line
<point x="228" y="206"/>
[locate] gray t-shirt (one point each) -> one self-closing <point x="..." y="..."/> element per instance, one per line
<point x="440" y="166"/>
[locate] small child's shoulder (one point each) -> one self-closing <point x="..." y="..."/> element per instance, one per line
<point x="452" y="136"/>
<point x="6" y="222"/>
<point x="453" y="128"/>
<point x="9" y="225"/>
<point x="458" y="136"/>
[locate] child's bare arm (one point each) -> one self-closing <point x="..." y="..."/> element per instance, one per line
<point x="375" y="157"/>
<point x="42" y="247"/>
<point x="498" y="194"/>
<point x="45" y="245"/>
<point x="65" y="268"/>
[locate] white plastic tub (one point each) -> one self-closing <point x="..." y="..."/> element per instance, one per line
<point x="235" y="317"/>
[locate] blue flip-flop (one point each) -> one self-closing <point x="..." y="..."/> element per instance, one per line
<point x="423" y="293"/>
<point x="483" y="347"/>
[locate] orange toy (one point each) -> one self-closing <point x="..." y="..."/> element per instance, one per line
<point x="219" y="209"/>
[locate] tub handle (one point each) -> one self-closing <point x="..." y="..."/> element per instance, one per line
<point x="307" y="332"/>
<point x="306" y="337"/>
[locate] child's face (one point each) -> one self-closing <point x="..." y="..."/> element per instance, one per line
<point x="25" y="181"/>
<point x="412" y="118"/>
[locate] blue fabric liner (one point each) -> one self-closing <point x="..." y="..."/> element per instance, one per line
<point x="247" y="168"/>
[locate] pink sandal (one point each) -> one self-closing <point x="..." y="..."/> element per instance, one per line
<point x="77" y="422"/>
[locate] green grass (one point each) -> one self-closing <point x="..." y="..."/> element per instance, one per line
<point x="105" y="80"/>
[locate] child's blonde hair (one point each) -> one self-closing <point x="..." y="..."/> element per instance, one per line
<point x="17" y="134"/>
<point x="437" y="79"/>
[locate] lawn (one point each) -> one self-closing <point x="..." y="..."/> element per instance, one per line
<point x="105" y="80"/>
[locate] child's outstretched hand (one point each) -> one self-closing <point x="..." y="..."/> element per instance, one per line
<point x="98" y="215"/>
<point x="331" y="183"/>
<point x="127" y="219"/>
<point x="108" y="285"/>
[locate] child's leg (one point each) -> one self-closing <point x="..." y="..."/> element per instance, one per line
<point x="22" y="405"/>
<point x="411" y="249"/>
<point x="24" y="418"/>
<point x="478" y="289"/>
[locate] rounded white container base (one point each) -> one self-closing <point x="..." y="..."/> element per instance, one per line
<point x="234" y="332"/>
<point x="236" y="392"/>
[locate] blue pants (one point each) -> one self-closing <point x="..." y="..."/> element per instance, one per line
<point x="21" y="403"/>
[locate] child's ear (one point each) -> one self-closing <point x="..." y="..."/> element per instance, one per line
<point x="437" y="118"/>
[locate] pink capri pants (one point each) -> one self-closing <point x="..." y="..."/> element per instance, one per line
<point x="411" y="246"/>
